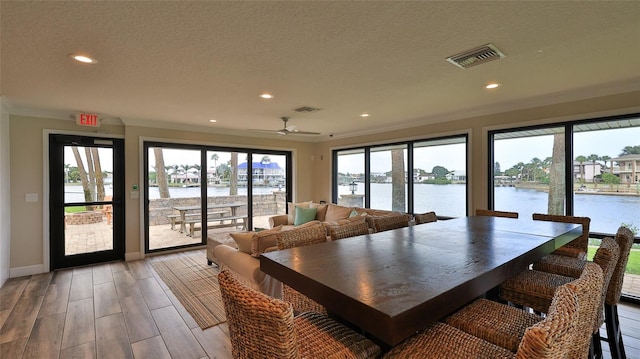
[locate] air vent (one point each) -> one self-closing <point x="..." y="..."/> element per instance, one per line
<point x="306" y="109"/>
<point x="476" y="56"/>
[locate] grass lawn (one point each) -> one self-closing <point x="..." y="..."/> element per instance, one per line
<point x="633" y="266"/>
<point x="75" y="209"/>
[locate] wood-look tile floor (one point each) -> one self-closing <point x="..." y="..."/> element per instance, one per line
<point x="124" y="310"/>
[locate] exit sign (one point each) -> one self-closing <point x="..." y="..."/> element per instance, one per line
<point x="88" y="119"/>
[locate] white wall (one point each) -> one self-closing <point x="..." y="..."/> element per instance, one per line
<point x="5" y="198"/>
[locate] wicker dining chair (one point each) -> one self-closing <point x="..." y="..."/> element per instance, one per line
<point x="386" y="223"/>
<point x="264" y="327"/>
<point x="425" y="217"/>
<point x="298" y="238"/>
<point x="534" y="289"/>
<point x="492" y="213"/>
<point x="624" y="238"/>
<point x="348" y="230"/>
<point x="505" y="325"/>
<point x="549" y="338"/>
<point x="576" y="248"/>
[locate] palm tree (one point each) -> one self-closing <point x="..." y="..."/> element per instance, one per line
<point x="555" y="204"/>
<point x="233" y="174"/>
<point x="536" y="165"/>
<point x="606" y="159"/>
<point x="397" y="180"/>
<point x="92" y="174"/>
<point x="161" y="173"/>
<point x="581" y="159"/>
<point x="214" y="158"/>
<point x="593" y="158"/>
<point x="98" y="173"/>
<point x="83" y="174"/>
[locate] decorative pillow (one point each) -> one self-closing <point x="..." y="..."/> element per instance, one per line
<point x="291" y="210"/>
<point x="322" y="210"/>
<point x="243" y="240"/>
<point x="350" y="220"/>
<point x="353" y="213"/>
<point x="263" y="240"/>
<point x="335" y="213"/>
<point x="304" y="215"/>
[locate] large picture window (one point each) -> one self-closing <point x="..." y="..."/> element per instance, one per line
<point x="583" y="168"/>
<point x="413" y="176"/>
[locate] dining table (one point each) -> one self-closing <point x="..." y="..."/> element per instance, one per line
<point x="182" y="210"/>
<point x="391" y="284"/>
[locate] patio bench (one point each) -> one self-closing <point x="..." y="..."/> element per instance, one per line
<point x="233" y="223"/>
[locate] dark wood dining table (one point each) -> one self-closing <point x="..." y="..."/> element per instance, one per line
<point x="391" y="284"/>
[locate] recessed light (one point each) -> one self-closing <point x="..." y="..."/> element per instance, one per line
<point x="492" y="85"/>
<point x="213" y="121"/>
<point x="364" y="115"/>
<point x="83" y="58"/>
<point x="266" y="95"/>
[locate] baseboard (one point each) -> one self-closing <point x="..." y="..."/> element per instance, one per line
<point x="24" y="271"/>
<point x="133" y="256"/>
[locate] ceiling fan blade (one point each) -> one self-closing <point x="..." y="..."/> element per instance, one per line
<point x="304" y="133"/>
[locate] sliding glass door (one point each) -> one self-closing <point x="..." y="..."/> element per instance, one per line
<point x="194" y="193"/>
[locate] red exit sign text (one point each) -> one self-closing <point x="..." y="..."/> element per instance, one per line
<point x="87" y="119"/>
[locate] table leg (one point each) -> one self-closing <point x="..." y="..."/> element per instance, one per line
<point x="183" y="227"/>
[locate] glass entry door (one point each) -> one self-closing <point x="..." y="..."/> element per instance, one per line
<point x="85" y="197"/>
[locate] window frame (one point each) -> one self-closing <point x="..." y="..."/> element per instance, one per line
<point x="409" y="145"/>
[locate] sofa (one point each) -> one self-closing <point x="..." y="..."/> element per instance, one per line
<point x="330" y="214"/>
<point x="243" y="262"/>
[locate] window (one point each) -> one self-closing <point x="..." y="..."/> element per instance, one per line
<point x="413" y="176"/>
<point x="528" y="171"/>
<point x="583" y="168"/>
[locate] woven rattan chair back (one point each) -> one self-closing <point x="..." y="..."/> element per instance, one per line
<point x="301" y="237"/>
<point x="386" y="223"/>
<point x="425" y="217"/>
<point x="624" y="238"/>
<point x="579" y="244"/>
<point x="552" y="337"/>
<point x="588" y="288"/>
<point x="253" y="316"/>
<point x="492" y="213"/>
<point x="607" y="257"/>
<point x="348" y="230"/>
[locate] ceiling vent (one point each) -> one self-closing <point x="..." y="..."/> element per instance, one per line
<point x="476" y="56"/>
<point x="306" y="109"/>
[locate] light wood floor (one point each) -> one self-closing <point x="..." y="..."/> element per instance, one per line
<point x="124" y="310"/>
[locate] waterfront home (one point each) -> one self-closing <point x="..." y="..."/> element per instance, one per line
<point x="628" y="168"/>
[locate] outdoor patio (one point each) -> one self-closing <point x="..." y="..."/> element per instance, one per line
<point x="86" y="238"/>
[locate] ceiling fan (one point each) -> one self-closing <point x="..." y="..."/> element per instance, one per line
<point x="290" y="130"/>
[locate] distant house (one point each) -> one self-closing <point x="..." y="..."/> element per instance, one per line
<point x="628" y="168"/>
<point x="264" y="173"/>
<point x="586" y="171"/>
<point x="457" y="176"/>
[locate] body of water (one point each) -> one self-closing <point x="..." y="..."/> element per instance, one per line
<point x="607" y="212"/>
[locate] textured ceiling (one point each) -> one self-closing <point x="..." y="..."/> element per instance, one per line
<point x="182" y="63"/>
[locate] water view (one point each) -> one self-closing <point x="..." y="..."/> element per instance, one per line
<point x="607" y="212"/>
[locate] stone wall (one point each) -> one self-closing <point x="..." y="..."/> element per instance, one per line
<point x="83" y="218"/>
<point x="263" y="205"/>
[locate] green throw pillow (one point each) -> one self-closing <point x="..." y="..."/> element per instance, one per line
<point x="353" y="213"/>
<point x="304" y="215"/>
